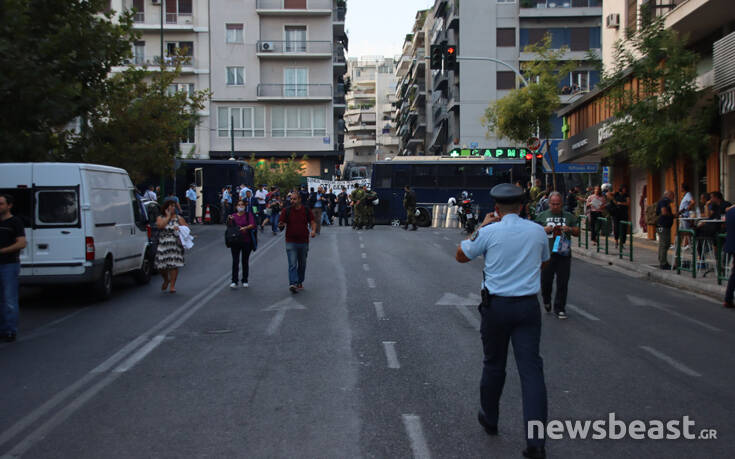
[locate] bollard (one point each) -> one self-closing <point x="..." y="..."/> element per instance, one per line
<point x="623" y="224"/>
<point x="607" y="230"/>
<point x="583" y="218"/>
<point x="693" y="244"/>
<point x="721" y="259"/>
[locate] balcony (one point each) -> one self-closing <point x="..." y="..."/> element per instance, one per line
<point x="453" y="15"/>
<point x="295" y="92"/>
<point x="338" y="20"/>
<point x="293" y="49"/>
<point x="360" y="142"/>
<point x="440" y="80"/>
<point x="560" y="8"/>
<point x="552" y="4"/>
<point x="338" y="58"/>
<point x="294" y="7"/>
<point x="188" y="63"/>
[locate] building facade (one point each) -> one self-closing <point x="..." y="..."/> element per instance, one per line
<point x="274" y="68"/>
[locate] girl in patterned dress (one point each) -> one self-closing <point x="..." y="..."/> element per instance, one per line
<point x="170" y="253"/>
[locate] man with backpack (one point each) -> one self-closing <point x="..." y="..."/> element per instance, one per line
<point x="299" y="224"/>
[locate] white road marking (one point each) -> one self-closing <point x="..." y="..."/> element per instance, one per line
<point x="436" y="245"/>
<point x="677" y="365"/>
<point x="366" y="267"/>
<point x="140" y="354"/>
<point x="364" y="255"/>
<point x="281" y="307"/>
<point x="583" y="313"/>
<point x="652" y="304"/>
<point x="390" y="354"/>
<point x="416" y="436"/>
<point x="371" y="282"/>
<point x="379" y="310"/>
<point x="182" y="313"/>
<point x="362" y="246"/>
<point x="452" y="299"/>
<point x="446" y="238"/>
<point x="473" y="321"/>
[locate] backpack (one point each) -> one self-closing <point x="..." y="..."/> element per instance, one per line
<point x="651" y="217"/>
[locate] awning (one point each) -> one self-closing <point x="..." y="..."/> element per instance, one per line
<point x="727" y="101"/>
<point x="587" y="146"/>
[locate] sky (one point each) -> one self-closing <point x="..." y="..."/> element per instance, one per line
<point x="378" y="27"/>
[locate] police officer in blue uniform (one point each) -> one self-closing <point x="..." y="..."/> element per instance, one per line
<point x="514" y="250"/>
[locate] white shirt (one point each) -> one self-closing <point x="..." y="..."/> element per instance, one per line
<point x="150" y="195"/>
<point x="260" y="195"/>
<point x="686" y="201"/>
<point x="191" y="195"/>
<point x="243" y="191"/>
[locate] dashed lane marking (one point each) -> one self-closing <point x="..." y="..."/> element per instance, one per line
<point x="583" y="313"/>
<point x="371" y="282"/>
<point x="364" y="255"/>
<point x="379" y="310"/>
<point x="390" y="354"/>
<point x="416" y="435"/>
<point x="366" y="267"/>
<point x="675" y="364"/>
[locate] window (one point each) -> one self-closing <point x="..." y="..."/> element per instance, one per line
<point x="234" y="33"/>
<point x="506" y="37"/>
<point x="187" y="88"/>
<point x="296" y="80"/>
<point x="57" y="207"/>
<point x="176" y="8"/>
<point x="298" y="122"/>
<point x="189" y="135"/>
<point x="579" y="39"/>
<point x="580" y="78"/>
<point x="235" y="76"/>
<point x="506" y="80"/>
<point x="423" y="176"/>
<point x="139" y="7"/>
<point x="632" y="16"/>
<point x="295" y="39"/>
<point x="536" y="35"/>
<point x="139" y="53"/>
<point x="247" y="121"/>
<point x="185" y="48"/>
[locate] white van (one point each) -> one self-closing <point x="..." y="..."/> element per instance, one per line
<point x="83" y="223"/>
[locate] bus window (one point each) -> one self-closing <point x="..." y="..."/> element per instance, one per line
<point x="400" y="178"/>
<point x="450" y="176"/>
<point x="423" y="176"/>
<point x="476" y="176"/>
<point x="382" y="177"/>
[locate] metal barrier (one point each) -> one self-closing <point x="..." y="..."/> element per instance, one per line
<point x="583" y="218"/>
<point x="622" y="224"/>
<point x="678" y="261"/>
<point x="601" y="220"/>
<point x="721" y="259"/>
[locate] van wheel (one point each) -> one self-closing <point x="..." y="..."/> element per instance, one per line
<point x="103" y="285"/>
<point x="143" y="275"/>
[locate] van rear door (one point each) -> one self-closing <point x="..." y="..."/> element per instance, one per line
<point x="58" y="246"/>
<point x="17" y="181"/>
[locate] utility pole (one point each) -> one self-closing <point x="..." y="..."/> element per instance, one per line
<point x="232" y="136"/>
<point x="163" y="7"/>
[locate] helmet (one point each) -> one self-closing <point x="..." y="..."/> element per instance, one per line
<point x="606" y="187"/>
<point x="464" y="195"/>
<point x="452" y="202"/>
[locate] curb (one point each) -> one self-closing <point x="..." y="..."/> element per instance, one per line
<point x="656" y="275"/>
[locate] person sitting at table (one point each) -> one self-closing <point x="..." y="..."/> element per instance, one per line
<point x="707" y="229"/>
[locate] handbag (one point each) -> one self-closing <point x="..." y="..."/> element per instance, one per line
<point x="232" y="234"/>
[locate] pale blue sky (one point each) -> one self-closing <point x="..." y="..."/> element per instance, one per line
<point x="378" y="27"/>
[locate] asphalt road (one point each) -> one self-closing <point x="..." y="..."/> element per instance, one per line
<point x="379" y="356"/>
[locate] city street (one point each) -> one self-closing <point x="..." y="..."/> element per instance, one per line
<point x="379" y="356"/>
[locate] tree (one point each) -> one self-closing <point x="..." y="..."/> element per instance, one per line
<point x="55" y="57"/>
<point x="285" y="174"/>
<point x="654" y="97"/>
<point x="140" y="124"/>
<point x="527" y="112"/>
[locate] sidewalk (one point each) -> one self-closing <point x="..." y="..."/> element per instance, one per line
<point x="645" y="262"/>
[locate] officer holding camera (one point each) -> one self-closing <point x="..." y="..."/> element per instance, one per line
<point x="514" y="250"/>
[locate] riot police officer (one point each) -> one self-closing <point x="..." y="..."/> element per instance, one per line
<point x="514" y="250"/>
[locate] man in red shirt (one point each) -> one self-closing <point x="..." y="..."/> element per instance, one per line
<point x="299" y="226"/>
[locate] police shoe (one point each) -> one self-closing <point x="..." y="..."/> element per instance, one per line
<point x="489" y="429"/>
<point x="533" y="452"/>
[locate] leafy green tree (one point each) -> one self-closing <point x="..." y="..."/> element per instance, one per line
<point x="660" y="116"/>
<point x="140" y="124"/>
<point x="286" y="174"/>
<point x="527" y="111"/>
<point x="55" y="57"/>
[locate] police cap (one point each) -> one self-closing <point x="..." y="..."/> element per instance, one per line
<point x="505" y="193"/>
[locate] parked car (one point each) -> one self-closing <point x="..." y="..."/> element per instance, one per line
<point x="84" y="224"/>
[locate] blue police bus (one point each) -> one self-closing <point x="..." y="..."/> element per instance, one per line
<point x="435" y="179"/>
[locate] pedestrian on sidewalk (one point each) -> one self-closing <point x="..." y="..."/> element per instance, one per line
<point x="170" y="253"/>
<point x="241" y="248"/>
<point x="730" y="250"/>
<point x="686" y="208"/>
<point x="596" y="203"/>
<point x="663" y="228"/>
<point x="12" y="241"/>
<point x="560" y="226"/>
<point x="299" y="224"/>
<point x="513" y="249"/>
<point x="620" y="213"/>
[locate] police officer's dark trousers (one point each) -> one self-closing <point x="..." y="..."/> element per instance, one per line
<point x="559" y="266"/>
<point x="518" y="320"/>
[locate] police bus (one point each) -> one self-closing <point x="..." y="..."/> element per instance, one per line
<point x="435" y="179"/>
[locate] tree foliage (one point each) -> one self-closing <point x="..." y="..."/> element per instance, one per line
<point x="55" y="57"/>
<point x="521" y="113"/>
<point x="285" y="174"/>
<point x="659" y="113"/>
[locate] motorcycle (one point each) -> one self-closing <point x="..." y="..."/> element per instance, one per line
<point x="467" y="215"/>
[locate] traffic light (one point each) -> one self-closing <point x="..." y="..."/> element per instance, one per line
<point x="539" y="155"/>
<point x="451" y="56"/>
<point x="529" y="156"/>
<point x="437" y="55"/>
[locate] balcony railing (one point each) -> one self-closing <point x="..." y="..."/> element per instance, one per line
<point x="155" y="61"/>
<point x="294" y="47"/>
<point x="179" y="18"/>
<point x="294" y="5"/>
<point x="561" y="3"/>
<point x="339" y="14"/>
<point x="287" y="91"/>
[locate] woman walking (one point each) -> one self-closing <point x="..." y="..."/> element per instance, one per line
<point x="170" y="253"/>
<point x="596" y="203"/>
<point x="244" y="219"/>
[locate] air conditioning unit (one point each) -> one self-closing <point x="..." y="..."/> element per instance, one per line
<point x="613" y="21"/>
<point x="187" y="20"/>
<point x="267" y="46"/>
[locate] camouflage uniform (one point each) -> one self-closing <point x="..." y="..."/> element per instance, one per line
<point x="409" y="203"/>
<point x="358" y="217"/>
<point x="370" y="196"/>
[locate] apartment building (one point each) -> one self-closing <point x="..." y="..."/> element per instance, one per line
<point x="412" y="115"/>
<point x="185" y="26"/>
<point x="368" y="119"/>
<point x="500" y="30"/>
<point x="708" y="26"/>
<point x="275" y="73"/>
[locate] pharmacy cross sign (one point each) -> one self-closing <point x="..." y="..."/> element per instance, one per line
<point x="494" y="153"/>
